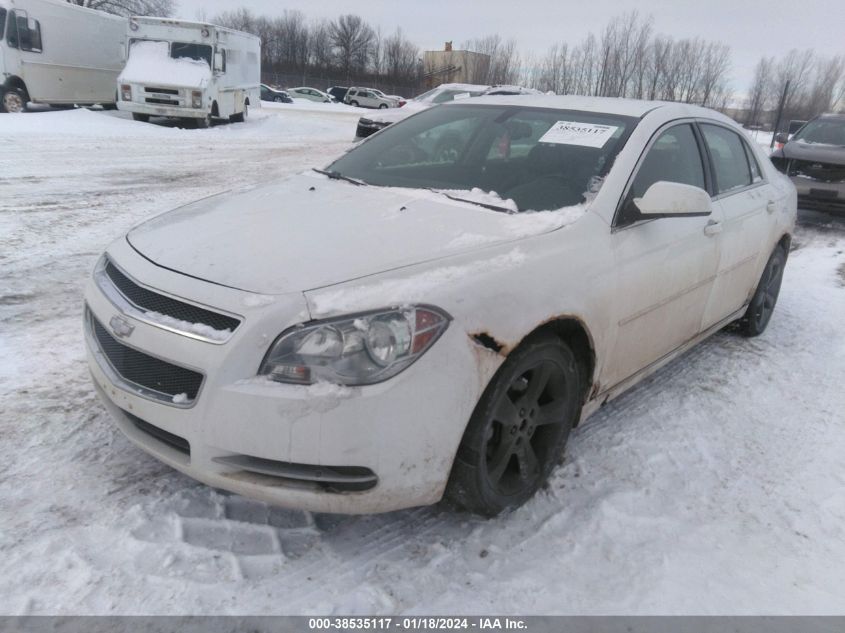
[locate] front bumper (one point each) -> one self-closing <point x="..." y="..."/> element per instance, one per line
<point x="176" y="112"/>
<point x="293" y="446"/>
<point x="817" y="194"/>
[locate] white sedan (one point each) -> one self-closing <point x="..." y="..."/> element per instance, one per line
<point x="311" y="94"/>
<point x="409" y="323"/>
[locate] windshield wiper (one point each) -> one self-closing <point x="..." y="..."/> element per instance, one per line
<point x="492" y="207"/>
<point x="336" y="175"/>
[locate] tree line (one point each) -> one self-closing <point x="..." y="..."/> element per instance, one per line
<point x="626" y="59"/>
<point x="809" y="84"/>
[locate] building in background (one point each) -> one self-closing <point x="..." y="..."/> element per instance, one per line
<point x="448" y="66"/>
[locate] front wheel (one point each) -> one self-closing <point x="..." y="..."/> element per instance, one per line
<point x="353" y="103"/>
<point x="277" y="99"/>
<point x="203" y="123"/>
<point x="13" y="101"/>
<point x="382" y="106"/>
<point x="519" y="428"/>
<point x="762" y="305"/>
<point x="143" y="118"/>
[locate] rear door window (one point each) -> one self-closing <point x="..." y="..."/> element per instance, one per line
<point x="2" y="22"/>
<point x="730" y="162"/>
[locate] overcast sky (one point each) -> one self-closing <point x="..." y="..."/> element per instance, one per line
<point x="750" y="27"/>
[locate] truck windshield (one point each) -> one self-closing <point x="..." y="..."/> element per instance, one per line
<point x="2" y="22"/>
<point x="199" y="52"/>
<point x="538" y="158"/>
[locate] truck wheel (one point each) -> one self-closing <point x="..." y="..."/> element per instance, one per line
<point x="240" y="117"/>
<point x="143" y="118"/>
<point x="203" y="123"/>
<point x="519" y="428"/>
<point x="13" y="101"/>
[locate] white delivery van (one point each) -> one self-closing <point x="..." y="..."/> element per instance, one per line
<point x="55" y="52"/>
<point x="189" y="70"/>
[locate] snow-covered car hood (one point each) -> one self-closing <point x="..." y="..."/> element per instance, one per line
<point x="309" y="232"/>
<point x="815" y="151"/>
<point x="397" y="114"/>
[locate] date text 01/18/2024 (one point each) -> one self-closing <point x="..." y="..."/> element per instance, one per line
<point x="419" y="623"/>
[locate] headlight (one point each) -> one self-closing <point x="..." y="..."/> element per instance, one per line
<point x="126" y="92"/>
<point x="357" y="349"/>
<point x="196" y="99"/>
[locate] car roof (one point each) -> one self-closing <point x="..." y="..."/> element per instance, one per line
<point x="832" y="116"/>
<point x="604" y="105"/>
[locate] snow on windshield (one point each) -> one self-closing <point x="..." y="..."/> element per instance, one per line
<point x="150" y="62"/>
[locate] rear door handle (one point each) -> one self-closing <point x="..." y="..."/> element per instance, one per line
<point x="771" y="207"/>
<point x="712" y="228"/>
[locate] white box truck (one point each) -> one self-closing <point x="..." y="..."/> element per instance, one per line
<point x="58" y="53"/>
<point x="189" y="70"/>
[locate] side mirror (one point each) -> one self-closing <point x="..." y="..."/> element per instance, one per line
<point x="219" y="62"/>
<point x="673" y="200"/>
<point x="781" y="138"/>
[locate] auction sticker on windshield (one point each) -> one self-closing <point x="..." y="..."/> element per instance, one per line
<point x="573" y="133"/>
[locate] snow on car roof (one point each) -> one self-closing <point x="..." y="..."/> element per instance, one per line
<point x="605" y="105"/>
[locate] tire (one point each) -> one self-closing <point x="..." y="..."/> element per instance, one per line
<point x="759" y="312"/>
<point x="13" y="101"/>
<point x="203" y="123"/>
<point x="353" y="103"/>
<point x="240" y="117"/>
<point x="277" y="99"/>
<point x="519" y="428"/>
<point x="143" y="118"/>
<point x="382" y="106"/>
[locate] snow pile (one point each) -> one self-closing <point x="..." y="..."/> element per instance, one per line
<point x="408" y="289"/>
<point x="150" y="62"/>
<point x="186" y="326"/>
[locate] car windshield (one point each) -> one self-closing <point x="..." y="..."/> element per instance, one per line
<point x="2" y="22"/>
<point x="826" y="131"/>
<point x="198" y="52"/>
<point x="540" y="158"/>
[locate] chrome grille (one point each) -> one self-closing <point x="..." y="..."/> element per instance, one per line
<point x="150" y="374"/>
<point x="824" y="172"/>
<point x="150" y="301"/>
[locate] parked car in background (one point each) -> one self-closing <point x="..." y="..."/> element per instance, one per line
<point x="338" y="92"/>
<point x="442" y="94"/>
<point x="794" y="126"/>
<point x="189" y="70"/>
<point x="814" y="159"/>
<point x="369" y="98"/>
<point x="274" y="95"/>
<point x="312" y="94"/>
<point x="394" y="361"/>
<point x="48" y="54"/>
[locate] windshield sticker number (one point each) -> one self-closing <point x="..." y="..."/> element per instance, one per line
<point x="573" y="133"/>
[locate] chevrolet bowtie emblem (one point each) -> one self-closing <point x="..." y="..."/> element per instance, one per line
<point x="121" y="327"/>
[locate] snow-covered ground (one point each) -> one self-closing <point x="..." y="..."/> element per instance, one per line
<point x="718" y="486"/>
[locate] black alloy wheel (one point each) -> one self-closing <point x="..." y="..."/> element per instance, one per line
<point x="519" y="428"/>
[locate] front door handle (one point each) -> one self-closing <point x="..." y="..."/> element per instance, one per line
<point x="771" y="207"/>
<point x="712" y="228"/>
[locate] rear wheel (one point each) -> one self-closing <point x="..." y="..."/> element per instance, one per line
<point x="382" y="106"/>
<point x="762" y="305"/>
<point x="143" y="118"/>
<point x="14" y="100"/>
<point x="519" y="428"/>
<point x="240" y="117"/>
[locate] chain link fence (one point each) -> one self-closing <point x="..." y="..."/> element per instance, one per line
<point x="323" y="82"/>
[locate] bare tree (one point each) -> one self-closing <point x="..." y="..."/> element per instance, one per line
<point x="162" y="8"/>
<point x="352" y="39"/>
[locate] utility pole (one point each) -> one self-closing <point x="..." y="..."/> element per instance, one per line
<point x="780" y="113"/>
